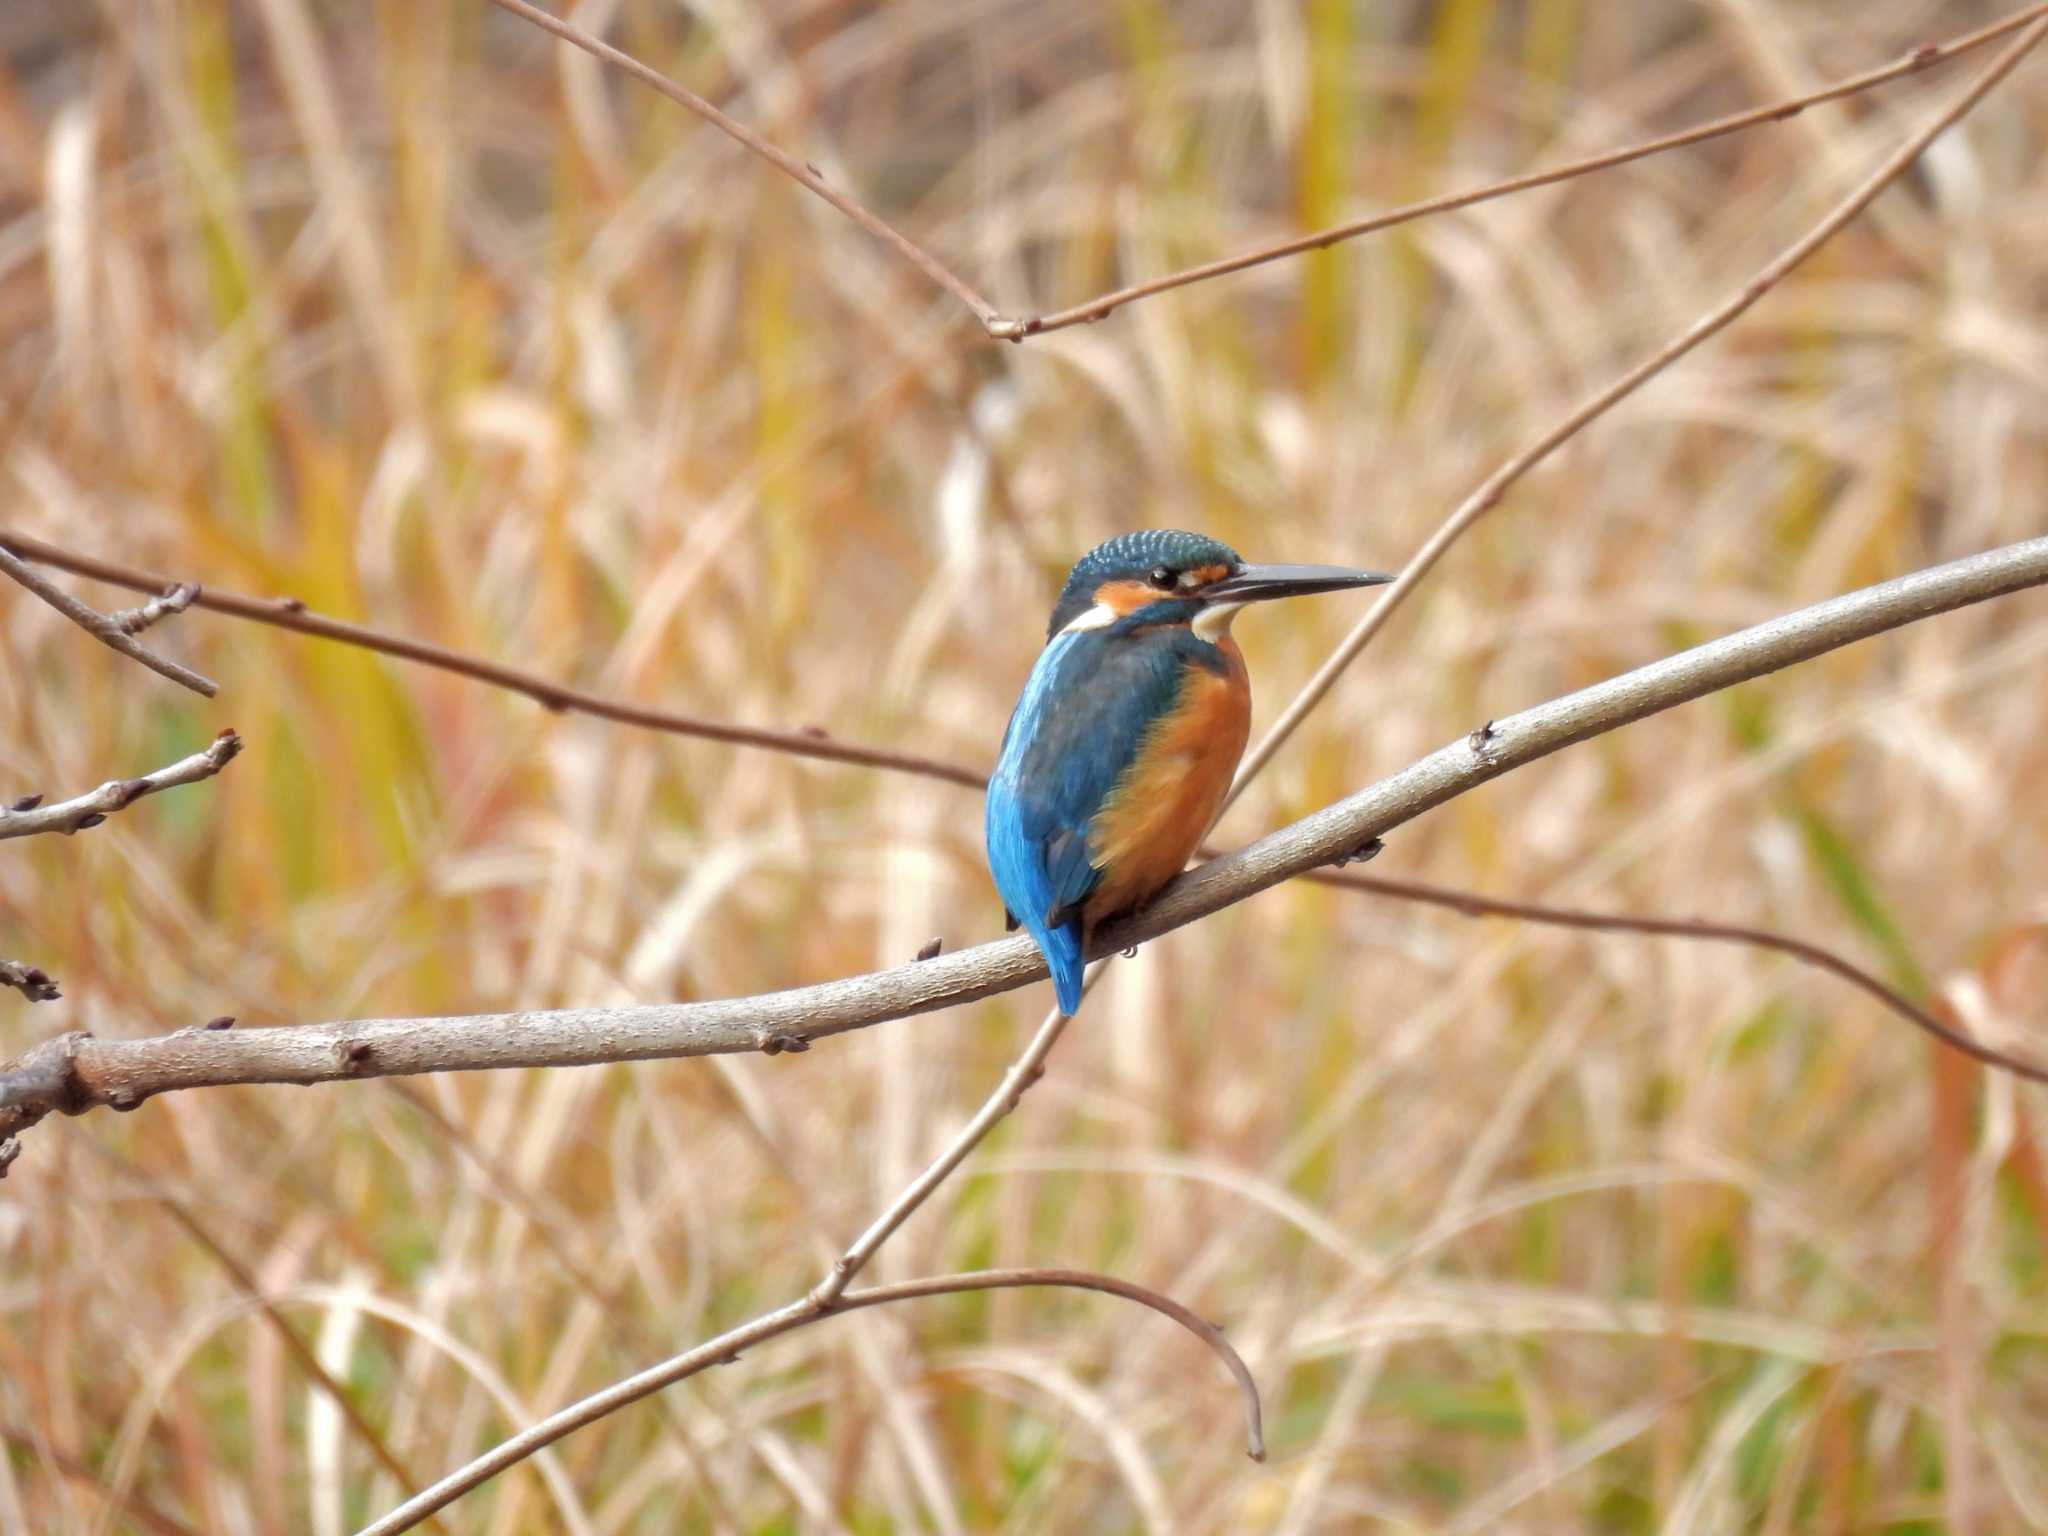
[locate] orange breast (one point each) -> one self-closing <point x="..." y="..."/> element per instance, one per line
<point x="1163" y="805"/>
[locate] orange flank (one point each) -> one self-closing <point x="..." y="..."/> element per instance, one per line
<point x="1163" y="805"/>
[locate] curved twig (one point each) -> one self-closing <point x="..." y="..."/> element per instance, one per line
<point x="726" y="1348"/>
<point x="29" y="815"/>
<point x="75" y="1073"/>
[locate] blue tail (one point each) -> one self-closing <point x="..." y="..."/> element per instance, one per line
<point x="1062" y="946"/>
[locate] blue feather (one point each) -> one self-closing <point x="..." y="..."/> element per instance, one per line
<point x="1076" y="730"/>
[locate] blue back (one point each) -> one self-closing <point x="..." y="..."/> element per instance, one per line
<point x="1077" y="728"/>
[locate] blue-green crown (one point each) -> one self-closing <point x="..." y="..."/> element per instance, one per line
<point x="1134" y="557"/>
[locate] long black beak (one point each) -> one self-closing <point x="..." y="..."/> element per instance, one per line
<point x="1257" y="583"/>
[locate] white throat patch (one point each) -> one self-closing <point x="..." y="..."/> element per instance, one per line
<point x="1212" y="624"/>
<point x="1101" y="616"/>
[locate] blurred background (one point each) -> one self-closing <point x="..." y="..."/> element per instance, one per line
<point x="415" y="314"/>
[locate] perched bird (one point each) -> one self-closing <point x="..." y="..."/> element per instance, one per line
<point x="1123" y="744"/>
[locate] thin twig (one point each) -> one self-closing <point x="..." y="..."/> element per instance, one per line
<point x="1018" y="328"/>
<point x="1024" y="1071"/>
<point x="805" y="175"/>
<point x="1496" y="485"/>
<point x="726" y="1348"/>
<point x="290" y="613"/>
<point x="109" y="630"/>
<point x="91" y="1072"/>
<point x="1922" y="57"/>
<point x="1685" y="928"/>
<point x="29" y="815"/>
<point x="31" y="981"/>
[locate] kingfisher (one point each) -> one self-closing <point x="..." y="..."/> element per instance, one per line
<point x="1123" y="743"/>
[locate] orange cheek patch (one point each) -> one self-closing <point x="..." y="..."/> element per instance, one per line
<point x="1123" y="597"/>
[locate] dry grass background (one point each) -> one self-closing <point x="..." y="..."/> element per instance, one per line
<point x="410" y="312"/>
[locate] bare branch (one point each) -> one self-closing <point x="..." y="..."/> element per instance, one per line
<point x="29" y="815"/>
<point x="726" y="1348"/>
<point x="31" y="981"/>
<point x="1496" y="485"/>
<point x="111" y="630"/>
<point x="1920" y="58"/>
<point x="1688" y="928"/>
<point x="1012" y="328"/>
<point x="290" y="613"/>
<point x="1024" y="1071"/>
<point x="797" y="170"/>
<point x="123" y="1073"/>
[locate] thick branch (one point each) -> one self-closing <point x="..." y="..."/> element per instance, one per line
<point x="725" y="1349"/>
<point x="123" y="1073"/>
<point x="29" y="816"/>
<point x="115" y="630"/>
<point x="290" y="613"/>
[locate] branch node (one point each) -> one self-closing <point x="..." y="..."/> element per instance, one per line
<point x="31" y="981"/>
<point x="175" y="598"/>
<point x="46" y="1080"/>
<point x="1364" y="853"/>
<point x="930" y="949"/>
<point x="776" y="1043"/>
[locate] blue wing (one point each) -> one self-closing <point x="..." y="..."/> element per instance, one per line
<point x="1077" y="727"/>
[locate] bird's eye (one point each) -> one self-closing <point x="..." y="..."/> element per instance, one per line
<point x="1162" y="576"/>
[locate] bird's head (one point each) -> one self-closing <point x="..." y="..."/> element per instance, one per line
<point x="1166" y="576"/>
